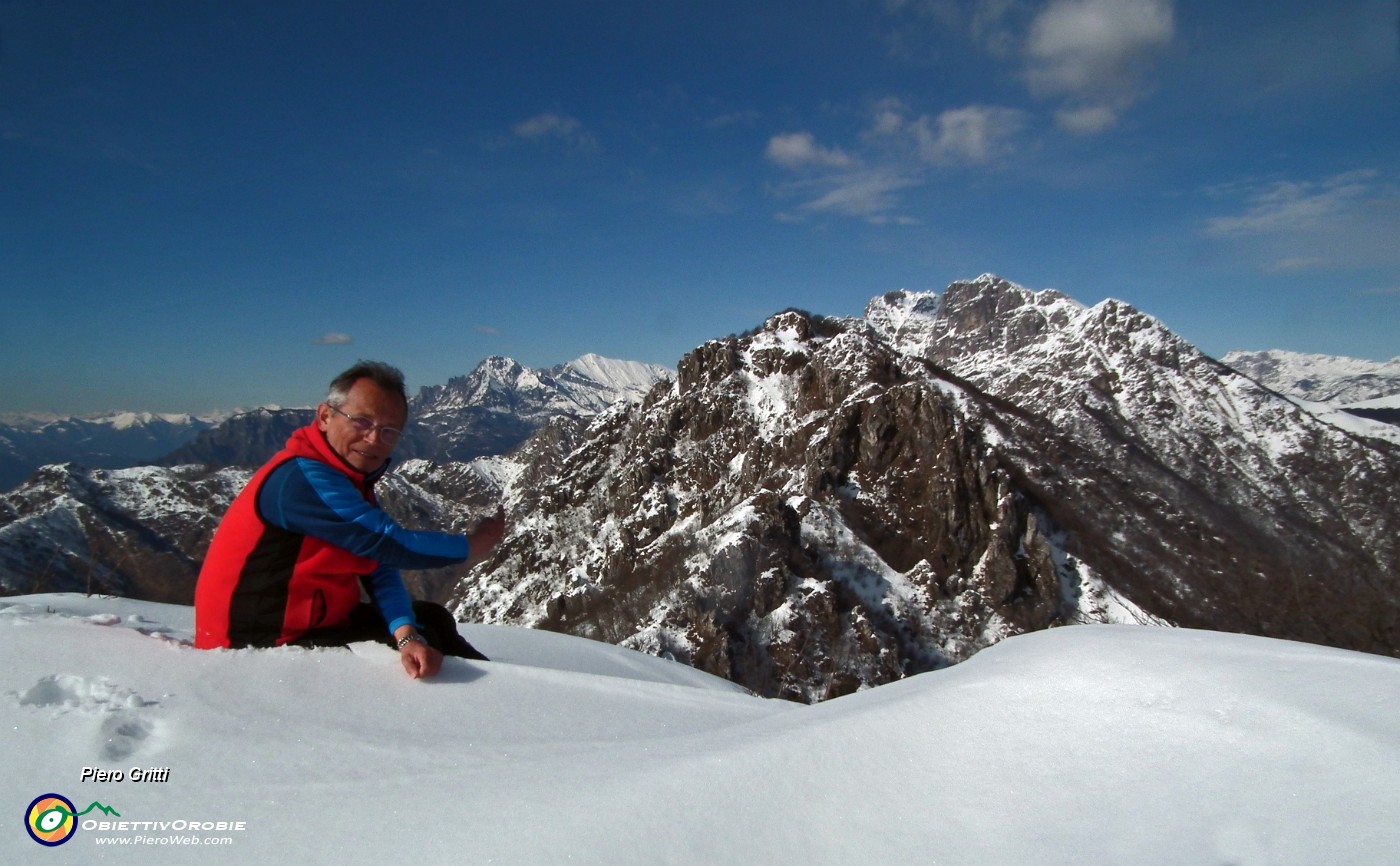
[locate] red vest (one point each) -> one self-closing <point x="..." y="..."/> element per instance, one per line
<point x="264" y="586"/>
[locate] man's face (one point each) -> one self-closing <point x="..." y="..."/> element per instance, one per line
<point x="365" y="453"/>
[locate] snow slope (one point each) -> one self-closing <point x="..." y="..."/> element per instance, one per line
<point x="1086" y="744"/>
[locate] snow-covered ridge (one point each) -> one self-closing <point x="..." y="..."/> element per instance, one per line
<point x="586" y="385"/>
<point x="1320" y="378"/>
<point x="819" y="505"/>
<point x="623" y="377"/>
<point x="1193" y="747"/>
<point x="117" y="420"/>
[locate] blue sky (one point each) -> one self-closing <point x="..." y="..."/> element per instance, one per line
<point x="214" y="205"/>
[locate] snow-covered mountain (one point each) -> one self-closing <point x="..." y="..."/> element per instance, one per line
<point x="823" y="505"/>
<point x="1086" y="745"/>
<point x="102" y="441"/>
<point x="1319" y="378"/>
<point x="501" y="403"/>
<point x="490" y="411"/>
<point x="830" y="504"/>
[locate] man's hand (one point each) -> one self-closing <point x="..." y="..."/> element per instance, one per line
<point x="486" y="536"/>
<point x="419" y="660"/>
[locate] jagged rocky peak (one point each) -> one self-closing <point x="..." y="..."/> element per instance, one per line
<point x="903" y="315"/>
<point x="975" y="307"/>
<point x="805" y="512"/>
<point x="994" y="314"/>
<point x="823" y="504"/>
<point x="986" y="313"/>
<point x="493" y="378"/>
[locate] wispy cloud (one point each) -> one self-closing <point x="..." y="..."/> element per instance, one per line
<point x="1347" y="222"/>
<point x="1290" y="205"/>
<point x="486" y="330"/>
<point x="737" y="118"/>
<point x="972" y="135"/>
<point x="334" y="338"/>
<point x="800" y="150"/>
<point x="551" y="126"/>
<point x="896" y="152"/>
<point x="1297" y="263"/>
<point x="869" y="195"/>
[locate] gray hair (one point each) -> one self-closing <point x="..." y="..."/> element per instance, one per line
<point x="388" y="378"/>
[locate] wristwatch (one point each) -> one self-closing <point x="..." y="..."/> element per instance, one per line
<point x="415" y="637"/>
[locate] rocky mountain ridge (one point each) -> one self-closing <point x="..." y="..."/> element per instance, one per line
<point x="830" y="504"/>
<point x="141" y="532"/>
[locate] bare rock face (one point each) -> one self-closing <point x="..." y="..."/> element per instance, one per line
<point x="826" y="505"/>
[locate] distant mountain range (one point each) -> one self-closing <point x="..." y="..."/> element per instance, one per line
<point x="101" y="442"/>
<point x="1320" y="378"/>
<point x="489" y="411"/>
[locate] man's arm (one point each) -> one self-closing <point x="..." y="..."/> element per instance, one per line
<point x="418" y="659"/>
<point x="310" y="498"/>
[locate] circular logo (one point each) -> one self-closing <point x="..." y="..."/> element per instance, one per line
<point x="50" y="819"/>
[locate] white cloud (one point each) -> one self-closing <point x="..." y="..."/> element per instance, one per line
<point x="895" y="155"/>
<point x="972" y="135"/>
<point x="550" y="125"/>
<point x="1095" y="53"/>
<point x="1091" y="55"/>
<point x="1087" y="120"/>
<point x="1090" y="46"/>
<point x="800" y="150"/>
<point x="334" y="338"/>
<point x="975" y="134"/>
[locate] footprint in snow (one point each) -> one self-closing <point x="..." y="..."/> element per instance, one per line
<point x="122" y="735"/>
<point x="123" y="730"/>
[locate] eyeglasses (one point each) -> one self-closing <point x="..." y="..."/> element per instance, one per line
<point x="364" y="426"/>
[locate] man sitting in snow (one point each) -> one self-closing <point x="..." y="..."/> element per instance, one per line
<point x="305" y="542"/>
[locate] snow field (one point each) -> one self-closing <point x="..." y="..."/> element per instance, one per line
<point x="1085" y="744"/>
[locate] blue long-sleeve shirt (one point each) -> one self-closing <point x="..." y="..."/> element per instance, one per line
<point x="308" y="497"/>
